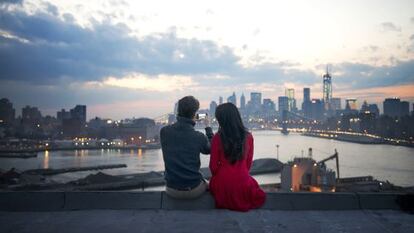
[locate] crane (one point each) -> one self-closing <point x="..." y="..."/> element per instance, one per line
<point x="334" y="156"/>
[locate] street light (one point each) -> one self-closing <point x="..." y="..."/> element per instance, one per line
<point x="277" y="152"/>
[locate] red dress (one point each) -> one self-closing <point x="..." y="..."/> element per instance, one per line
<point x="231" y="184"/>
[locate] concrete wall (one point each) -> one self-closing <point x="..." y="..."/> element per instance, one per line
<point x="61" y="201"/>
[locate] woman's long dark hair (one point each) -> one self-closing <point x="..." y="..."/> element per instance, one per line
<point x="232" y="131"/>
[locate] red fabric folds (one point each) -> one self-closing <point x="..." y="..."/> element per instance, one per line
<point x="231" y="184"/>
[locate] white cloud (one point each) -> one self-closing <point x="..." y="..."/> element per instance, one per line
<point x="161" y="83"/>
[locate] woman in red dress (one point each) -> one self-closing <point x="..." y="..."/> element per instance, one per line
<point x="231" y="158"/>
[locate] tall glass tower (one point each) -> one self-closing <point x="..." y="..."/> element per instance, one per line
<point x="327" y="89"/>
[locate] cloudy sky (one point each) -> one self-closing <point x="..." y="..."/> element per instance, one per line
<point x="136" y="58"/>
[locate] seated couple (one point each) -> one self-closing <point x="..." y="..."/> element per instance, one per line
<point x="231" y="150"/>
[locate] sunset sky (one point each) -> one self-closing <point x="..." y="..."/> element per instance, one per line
<point x="136" y="58"/>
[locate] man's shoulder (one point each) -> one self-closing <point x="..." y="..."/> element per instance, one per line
<point x="199" y="134"/>
<point x="165" y="129"/>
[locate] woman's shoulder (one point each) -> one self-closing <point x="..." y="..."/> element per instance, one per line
<point x="249" y="135"/>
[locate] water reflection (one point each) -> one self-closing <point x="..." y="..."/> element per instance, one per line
<point x="46" y="160"/>
<point x="385" y="162"/>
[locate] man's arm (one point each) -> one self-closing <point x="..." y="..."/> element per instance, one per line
<point x="209" y="133"/>
<point x="205" y="147"/>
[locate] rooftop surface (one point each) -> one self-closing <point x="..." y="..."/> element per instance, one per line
<point x="156" y="212"/>
<point x="201" y="221"/>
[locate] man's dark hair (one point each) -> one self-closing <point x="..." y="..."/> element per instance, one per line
<point x="188" y="106"/>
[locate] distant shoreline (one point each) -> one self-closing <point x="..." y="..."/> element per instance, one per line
<point x="356" y="139"/>
<point x="142" y="147"/>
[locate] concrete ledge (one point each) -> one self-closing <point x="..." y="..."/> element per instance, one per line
<point x="379" y="200"/>
<point x="311" y="201"/>
<point x="32" y="201"/>
<point x="61" y="201"/>
<point x="112" y="200"/>
<point x="206" y="201"/>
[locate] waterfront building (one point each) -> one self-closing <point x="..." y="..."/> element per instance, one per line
<point x="404" y="108"/>
<point x="369" y="108"/>
<point x="79" y="112"/>
<point x="31" y="116"/>
<point x="140" y="131"/>
<point x="63" y="115"/>
<point x="394" y="107"/>
<point x="72" y="127"/>
<point x="7" y="112"/>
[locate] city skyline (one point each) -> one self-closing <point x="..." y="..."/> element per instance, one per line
<point x="256" y="98"/>
<point x="124" y="59"/>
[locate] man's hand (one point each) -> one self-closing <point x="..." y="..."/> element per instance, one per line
<point x="206" y="121"/>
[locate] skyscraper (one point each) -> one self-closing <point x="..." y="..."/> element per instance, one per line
<point x="232" y="99"/>
<point x="394" y="107"/>
<point x="31" y="116"/>
<point x="306" y="94"/>
<point x="242" y="102"/>
<point x="327" y="89"/>
<point x="317" y="108"/>
<point x="220" y="99"/>
<point x="62" y="115"/>
<point x="7" y="112"/>
<point x="268" y="106"/>
<point x="405" y="108"/>
<point x="290" y="93"/>
<point x="79" y="112"/>
<point x="213" y="106"/>
<point x="31" y="113"/>
<point x="283" y="102"/>
<point x="256" y="98"/>
<point x="351" y="104"/>
<point x="336" y="104"/>
<point x="307" y="104"/>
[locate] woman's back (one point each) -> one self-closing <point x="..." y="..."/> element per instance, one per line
<point x="231" y="185"/>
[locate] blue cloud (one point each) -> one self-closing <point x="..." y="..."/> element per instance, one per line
<point x="364" y="76"/>
<point x="56" y="48"/>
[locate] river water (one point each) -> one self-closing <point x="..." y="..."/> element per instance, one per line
<point x="384" y="162"/>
